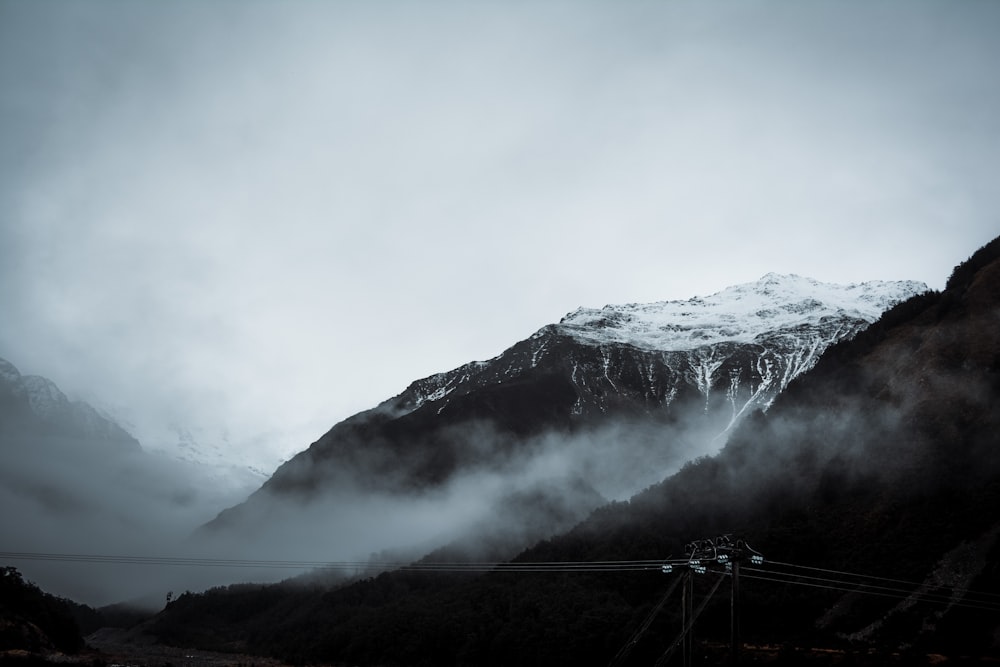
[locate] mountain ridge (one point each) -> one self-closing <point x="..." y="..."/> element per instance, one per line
<point x="701" y="322"/>
<point x="599" y="412"/>
<point x="591" y="326"/>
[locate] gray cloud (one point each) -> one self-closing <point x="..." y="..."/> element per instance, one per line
<point x="273" y="215"/>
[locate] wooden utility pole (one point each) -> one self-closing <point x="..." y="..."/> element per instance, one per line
<point x="734" y="614"/>
<point x="686" y="599"/>
<point x="725" y="551"/>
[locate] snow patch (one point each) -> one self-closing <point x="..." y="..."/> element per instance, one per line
<point x="738" y="314"/>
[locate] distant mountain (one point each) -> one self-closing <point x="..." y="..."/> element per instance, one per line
<point x="31" y="402"/>
<point x="871" y="486"/>
<point x="609" y="400"/>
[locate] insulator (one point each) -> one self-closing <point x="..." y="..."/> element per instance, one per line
<point x="667" y="569"/>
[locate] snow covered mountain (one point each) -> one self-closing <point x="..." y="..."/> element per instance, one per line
<point x="604" y="403"/>
<point x="737" y="348"/>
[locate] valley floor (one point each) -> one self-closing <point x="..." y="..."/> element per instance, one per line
<point x="107" y="648"/>
<point x="110" y="649"/>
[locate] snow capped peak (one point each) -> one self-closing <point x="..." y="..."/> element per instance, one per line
<point x="787" y="320"/>
<point x="739" y="314"/>
<point x="868" y="300"/>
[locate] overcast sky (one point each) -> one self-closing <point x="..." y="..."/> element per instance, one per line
<point x="267" y="216"/>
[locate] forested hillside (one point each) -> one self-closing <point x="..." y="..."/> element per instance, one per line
<point x="883" y="461"/>
<point x="34" y="621"/>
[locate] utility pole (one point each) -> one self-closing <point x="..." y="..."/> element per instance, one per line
<point x="729" y="552"/>
<point x="734" y="615"/>
<point x="686" y="599"/>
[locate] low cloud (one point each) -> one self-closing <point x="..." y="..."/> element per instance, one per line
<point x="509" y="495"/>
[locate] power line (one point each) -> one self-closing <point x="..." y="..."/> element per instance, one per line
<point x="434" y="566"/>
<point x="907" y="592"/>
<point x="869" y="576"/>
<point x="971" y="599"/>
<point x="850" y="587"/>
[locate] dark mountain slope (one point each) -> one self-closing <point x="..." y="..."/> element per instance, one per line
<point x="668" y="362"/>
<point x="883" y="460"/>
